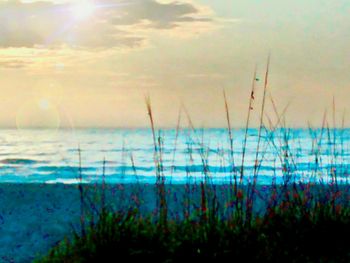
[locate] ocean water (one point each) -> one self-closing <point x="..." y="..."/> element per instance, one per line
<point x="52" y="156"/>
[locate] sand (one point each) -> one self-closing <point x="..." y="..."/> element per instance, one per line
<point x="35" y="217"/>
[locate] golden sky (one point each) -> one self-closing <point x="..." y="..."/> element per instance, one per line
<point x="87" y="63"/>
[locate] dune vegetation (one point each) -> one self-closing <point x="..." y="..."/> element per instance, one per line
<point x="300" y="222"/>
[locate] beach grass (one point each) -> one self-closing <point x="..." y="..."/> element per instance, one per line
<point x="298" y="229"/>
<point x="298" y="221"/>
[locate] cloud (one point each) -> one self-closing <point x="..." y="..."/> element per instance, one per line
<point x="14" y="64"/>
<point x="160" y="15"/>
<point x="113" y="23"/>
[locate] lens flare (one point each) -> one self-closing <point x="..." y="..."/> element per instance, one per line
<point x="40" y="113"/>
<point x="44" y="104"/>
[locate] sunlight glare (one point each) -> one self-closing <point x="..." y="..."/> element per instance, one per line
<point x="82" y="9"/>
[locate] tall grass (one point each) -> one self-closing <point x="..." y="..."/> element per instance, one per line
<point x="81" y="193"/>
<point x="244" y="221"/>
<point x="160" y="183"/>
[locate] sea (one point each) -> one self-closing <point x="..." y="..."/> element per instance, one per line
<point x="71" y="156"/>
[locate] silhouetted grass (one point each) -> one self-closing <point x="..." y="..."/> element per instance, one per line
<point x="299" y="222"/>
<point x="298" y="230"/>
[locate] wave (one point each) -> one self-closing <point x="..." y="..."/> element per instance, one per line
<point x="19" y="161"/>
<point x="65" y="168"/>
<point x="194" y="168"/>
<point x="33" y="157"/>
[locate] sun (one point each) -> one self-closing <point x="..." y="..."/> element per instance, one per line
<point x="82" y="9"/>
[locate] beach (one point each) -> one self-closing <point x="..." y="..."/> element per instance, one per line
<point x="35" y="217"/>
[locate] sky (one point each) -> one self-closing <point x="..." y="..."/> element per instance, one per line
<point x="87" y="63"/>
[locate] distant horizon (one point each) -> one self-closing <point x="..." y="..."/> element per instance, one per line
<point x="314" y="127"/>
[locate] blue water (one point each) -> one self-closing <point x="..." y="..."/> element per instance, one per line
<point x="49" y="156"/>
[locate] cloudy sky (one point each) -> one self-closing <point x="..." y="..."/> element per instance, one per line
<point x="89" y="63"/>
